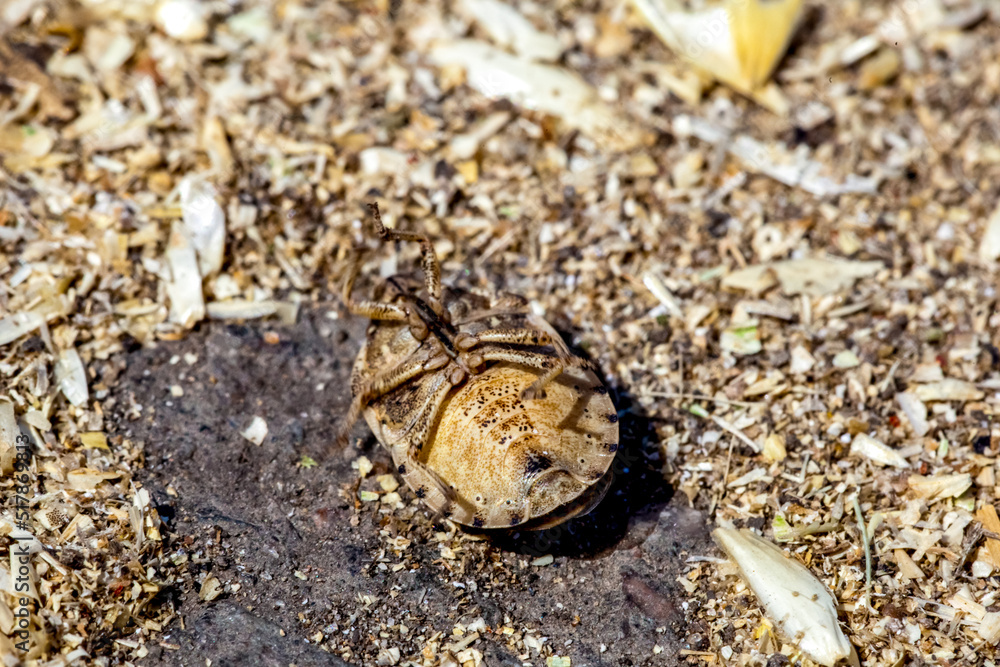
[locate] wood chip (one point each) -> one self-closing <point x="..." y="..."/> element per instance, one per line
<point x="987" y="515"/>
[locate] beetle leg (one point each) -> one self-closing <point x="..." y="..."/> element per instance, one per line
<point x="493" y="312"/>
<point x="436" y="362"/>
<point x="512" y="336"/>
<point x="506" y="305"/>
<point x="417" y="326"/>
<point x="551" y="366"/>
<point x="380" y="384"/>
<point x="447" y="493"/>
<point x="509" y="301"/>
<point x="373" y="310"/>
<point x="432" y="271"/>
<point x="467" y="343"/>
<point x="378" y="310"/>
<point x="537" y="388"/>
<point x="418" y="438"/>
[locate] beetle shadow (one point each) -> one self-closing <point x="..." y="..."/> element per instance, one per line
<point x="637" y="494"/>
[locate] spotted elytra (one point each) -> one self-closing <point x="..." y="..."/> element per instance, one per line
<point x="489" y="417"/>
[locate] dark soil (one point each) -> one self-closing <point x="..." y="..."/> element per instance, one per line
<point x="255" y="516"/>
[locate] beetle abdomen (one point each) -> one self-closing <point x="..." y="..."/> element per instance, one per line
<point x="510" y="460"/>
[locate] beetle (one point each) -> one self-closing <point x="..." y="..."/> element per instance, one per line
<point x="489" y="417"/>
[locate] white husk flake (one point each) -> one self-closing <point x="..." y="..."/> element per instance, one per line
<point x="877" y="451"/>
<point x="795" y="168"/>
<point x="71" y="377"/>
<point x="725" y="40"/>
<point x="464" y="146"/>
<point x="14" y="326"/>
<point x="654" y="283"/>
<point x="383" y="160"/>
<point x="940" y="486"/>
<point x="982" y="567"/>
<point x="545" y="88"/>
<point x="255" y="24"/>
<point x="87" y="479"/>
<point x="16" y="11"/>
<point x="8" y="436"/>
<point x="927" y="373"/>
<point x="814" y="276"/>
<point x="907" y="567"/>
<point x="187" y="305"/>
<point x="8" y="423"/>
<point x="741" y="338"/>
<point x="205" y="223"/>
<point x="915" y="411"/>
<point x="989" y="627"/>
<point x="508" y="28"/>
<point x="107" y="50"/>
<point x="800" y="606"/>
<point x="949" y="389"/>
<point x="35" y="418"/>
<point x="755" y="475"/>
<point x="989" y="249"/>
<point x="241" y="309"/>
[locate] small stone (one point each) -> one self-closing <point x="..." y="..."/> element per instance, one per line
<point x="742" y="339"/>
<point x="774" y="447"/>
<point x="614" y="37"/>
<point x="182" y="19"/>
<point x="211" y="588"/>
<point x="927" y="373"/>
<point x="878" y="69"/>
<point x="256" y="431"/>
<point x="94" y="440"/>
<point x="687" y="172"/>
<point x="802" y="361"/>
<point x="469" y="171"/>
<point x="362" y="465"/>
<point x="107" y="50"/>
<point x="388" y="483"/>
<point x="641" y="165"/>
<point x="846" y="359"/>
